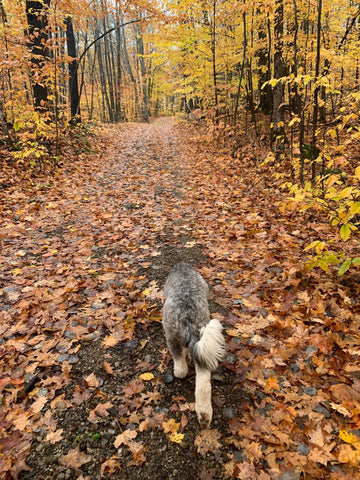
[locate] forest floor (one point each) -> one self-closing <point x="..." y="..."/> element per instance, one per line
<point x="86" y="383"/>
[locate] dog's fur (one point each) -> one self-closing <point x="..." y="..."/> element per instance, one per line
<point x="189" y="330"/>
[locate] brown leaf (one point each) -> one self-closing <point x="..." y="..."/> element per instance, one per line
<point x="124" y="438"/>
<point x="343" y="392"/>
<point x="74" y="458"/>
<point x="92" y="381"/>
<point x="108" y="368"/>
<point x="110" y="341"/>
<point x="54" y="437"/>
<point x="80" y="395"/>
<point x="38" y="404"/>
<point x="110" y="466"/>
<point x="207" y="441"/>
<point x="207" y="474"/>
<point x="101" y="410"/>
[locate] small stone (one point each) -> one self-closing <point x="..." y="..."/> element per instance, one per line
<point x="321" y="409"/>
<point x="294" y="368"/>
<point x="98" y="305"/>
<point x="268" y="373"/>
<point x="303" y="449"/>
<point x="289" y="475"/>
<point x="238" y="301"/>
<point x="311" y="391"/>
<point x="311" y="349"/>
<point x="132" y="343"/>
<point x="42" y="392"/>
<point x="229" y="412"/>
<point x="147" y="358"/>
<point x="231" y="358"/>
<point x="73" y="359"/>
<point x="69" y="334"/>
<point x="168" y="378"/>
<point x="239" y="457"/>
<point x="260" y="395"/>
<point x="62" y="357"/>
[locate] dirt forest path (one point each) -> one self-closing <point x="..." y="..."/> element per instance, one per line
<point x="87" y="385"/>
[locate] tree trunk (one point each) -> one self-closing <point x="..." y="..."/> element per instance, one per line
<point x="316" y="93"/>
<point x="73" y="73"/>
<point x="264" y="72"/>
<point x="103" y="84"/>
<point x="280" y="70"/>
<point x="213" y="52"/>
<point x="144" y="113"/>
<point x="118" y="71"/>
<point x="36" y="13"/>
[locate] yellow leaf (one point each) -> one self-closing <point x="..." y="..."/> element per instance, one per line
<point x="17" y="271"/>
<point x="176" y="437"/>
<point x="345" y="193"/>
<point x="171" y="426"/>
<point x="293" y="121"/>
<point x="147" y="376"/>
<point x="247" y="303"/>
<point x="349" y="437"/>
<point x="354" y="208"/>
<point x="272" y="384"/>
<point x="345" y="232"/>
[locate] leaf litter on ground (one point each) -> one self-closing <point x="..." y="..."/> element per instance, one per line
<point x="86" y="380"/>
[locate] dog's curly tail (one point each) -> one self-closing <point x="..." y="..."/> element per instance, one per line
<point x="210" y="349"/>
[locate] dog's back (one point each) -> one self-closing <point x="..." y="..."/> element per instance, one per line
<point x="186" y="317"/>
<point x="186" y="300"/>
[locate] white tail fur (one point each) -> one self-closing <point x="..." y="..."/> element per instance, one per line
<point x="210" y="349"/>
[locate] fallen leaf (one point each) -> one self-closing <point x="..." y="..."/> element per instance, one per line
<point x="74" y="458"/>
<point x="38" y="404"/>
<point x="207" y="441"/>
<point x="110" y="466"/>
<point x="54" y="437"/>
<point x="171" y="426"/>
<point x="176" y="437"/>
<point x="108" y="368"/>
<point x="92" y="381"/>
<point x="124" y="438"/>
<point x="110" y="341"/>
<point x="101" y="410"/>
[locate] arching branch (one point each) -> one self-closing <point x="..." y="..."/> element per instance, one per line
<point x="76" y="67"/>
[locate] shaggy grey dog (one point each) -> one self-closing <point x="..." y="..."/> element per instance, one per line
<point x="189" y="330"/>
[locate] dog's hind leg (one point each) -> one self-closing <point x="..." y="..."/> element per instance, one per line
<point x="179" y="354"/>
<point x="203" y="406"/>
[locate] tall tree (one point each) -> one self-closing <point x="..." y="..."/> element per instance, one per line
<point x="36" y="13"/>
<point x="280" y="70"/>
<point x="73" y="72"/>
